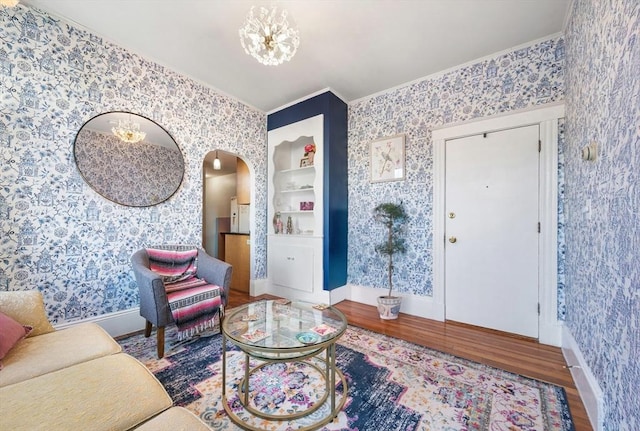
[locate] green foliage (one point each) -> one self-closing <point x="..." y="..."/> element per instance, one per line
<point x="394" y="218"/>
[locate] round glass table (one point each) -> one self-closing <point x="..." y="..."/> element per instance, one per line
<point x="284" y="332"/>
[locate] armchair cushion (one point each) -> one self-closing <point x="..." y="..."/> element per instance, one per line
<point x="27" y="308"/>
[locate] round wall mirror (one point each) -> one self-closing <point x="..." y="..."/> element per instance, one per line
<point x="128" y="159"/>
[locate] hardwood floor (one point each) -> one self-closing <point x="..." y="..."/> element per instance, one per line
<point x="518" y="355"/>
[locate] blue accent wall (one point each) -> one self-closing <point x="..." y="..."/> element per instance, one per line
<point x="336" y="201"/>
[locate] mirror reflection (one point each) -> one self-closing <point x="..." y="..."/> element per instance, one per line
<point x="128" y="159"/>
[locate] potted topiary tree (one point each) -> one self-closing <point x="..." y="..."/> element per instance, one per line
<point x="393" y="217"/>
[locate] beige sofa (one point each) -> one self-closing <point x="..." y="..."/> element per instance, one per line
<point x="78" y="379"/>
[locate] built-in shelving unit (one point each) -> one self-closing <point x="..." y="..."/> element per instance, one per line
<point x="308" y="192"/>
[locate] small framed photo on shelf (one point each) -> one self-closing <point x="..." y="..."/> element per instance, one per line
<point x="387" y="159"/>
<point x="304" y="162"/>
<point x="306" y="206"/>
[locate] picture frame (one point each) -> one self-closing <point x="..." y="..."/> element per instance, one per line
<point x="304" y="162"/>
<point x="306" y="206"/>
<point x="387" y="159"/>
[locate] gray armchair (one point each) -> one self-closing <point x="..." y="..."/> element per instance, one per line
<point x="154" y="305"/>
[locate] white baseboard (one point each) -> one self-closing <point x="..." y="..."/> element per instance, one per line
<point x="116" y="324"/>
<point x="259" y="287"/>
<point x="586" y="383"/>
<point x="550" y="333"/>
<point x="421" y="306"/>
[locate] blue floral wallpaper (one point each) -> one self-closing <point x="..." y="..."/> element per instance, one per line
<point x="603" y="199"/>
<point x="60" y="236"/>
<point x="138" y="175"/>
<point x="524" y="77"/>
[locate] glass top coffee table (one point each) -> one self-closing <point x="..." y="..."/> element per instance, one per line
<point x="296" y="335"/>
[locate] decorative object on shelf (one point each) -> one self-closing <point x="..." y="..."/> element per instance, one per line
<point x="394" y="218"/>
<point x="289" y="225"/>
<point x="277" y="223"/>
<point x="128" y="131"/>
<point x="268" y="37"/>
<point x="387" y="159"/>
<point x="310" y="152"/>
<point x="306" y="206"/>
<point x="304" y="162"/>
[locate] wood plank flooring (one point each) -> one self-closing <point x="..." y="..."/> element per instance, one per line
<point x="515" y="354"/>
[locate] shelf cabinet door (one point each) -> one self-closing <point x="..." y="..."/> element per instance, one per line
<point x="292" y="266"/>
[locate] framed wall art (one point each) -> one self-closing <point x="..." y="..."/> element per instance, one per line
<point x="387" y="159"/>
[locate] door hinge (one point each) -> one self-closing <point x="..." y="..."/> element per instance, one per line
<point x="538" y="227"/>
<point x="538" y="308"/>
<point x="539" y="145"/>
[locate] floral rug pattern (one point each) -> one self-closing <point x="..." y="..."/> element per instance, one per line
<point x="392" y="385"/>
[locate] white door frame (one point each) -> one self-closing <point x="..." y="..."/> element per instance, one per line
<point x="550" y="329"/>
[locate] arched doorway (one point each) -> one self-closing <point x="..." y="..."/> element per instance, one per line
<point x="226" y="214"/>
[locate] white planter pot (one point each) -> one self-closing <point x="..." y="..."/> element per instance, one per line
<point x="389" y="307"/>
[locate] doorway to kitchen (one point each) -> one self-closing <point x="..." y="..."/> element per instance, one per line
<point x="226" y="213"/>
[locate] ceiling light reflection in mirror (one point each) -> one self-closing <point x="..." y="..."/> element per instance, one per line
<point x="139" y="174"/>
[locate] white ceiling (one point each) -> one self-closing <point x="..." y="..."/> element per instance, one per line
<point x="355" y="47"/>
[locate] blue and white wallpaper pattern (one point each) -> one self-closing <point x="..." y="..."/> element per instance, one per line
<point x="60" y="236"/>
<point x="524" y="77"/>
<point x="603" y="200"/>
<point x="63" y="238"/>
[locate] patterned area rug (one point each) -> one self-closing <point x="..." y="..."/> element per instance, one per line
<point x="392" y="385"/>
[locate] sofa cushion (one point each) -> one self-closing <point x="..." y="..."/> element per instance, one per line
<point x="115" y="392"/>
<point x="39" y="355"/>
<point x="174" y="419"/>
<point x="11" y="333"/>
<point x="26" y="307"/>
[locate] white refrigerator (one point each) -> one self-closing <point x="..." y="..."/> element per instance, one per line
<point x="239" y="216"/>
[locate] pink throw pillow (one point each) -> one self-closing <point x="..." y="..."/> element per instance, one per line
<point x="10" y="333"/>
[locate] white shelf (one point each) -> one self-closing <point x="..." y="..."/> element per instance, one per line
<point x="308" y="189"/>
<point x="294" y="235"/>
<point x="295" y="212"/>
<point x="305" y="168"/>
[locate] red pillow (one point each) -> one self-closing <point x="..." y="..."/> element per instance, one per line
<point x="10" y="333"/>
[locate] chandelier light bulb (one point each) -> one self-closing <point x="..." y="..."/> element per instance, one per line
<point x="216" y="163"/>
<point x="268" y="37"/>
<point x="128" y="131"/>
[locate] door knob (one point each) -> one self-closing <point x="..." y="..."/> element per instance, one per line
<point x="452" y="239"/>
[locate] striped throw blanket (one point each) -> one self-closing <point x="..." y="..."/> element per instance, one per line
<point x="194" y="303"/>
<point x="173" y="265"/>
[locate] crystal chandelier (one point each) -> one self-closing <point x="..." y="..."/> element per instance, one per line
<point x="128" y="131"/>
<point x="267" y="36"/>
<point x="9" y="3"/>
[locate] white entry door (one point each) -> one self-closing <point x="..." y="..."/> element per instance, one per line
<point x="491" y="257"/>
